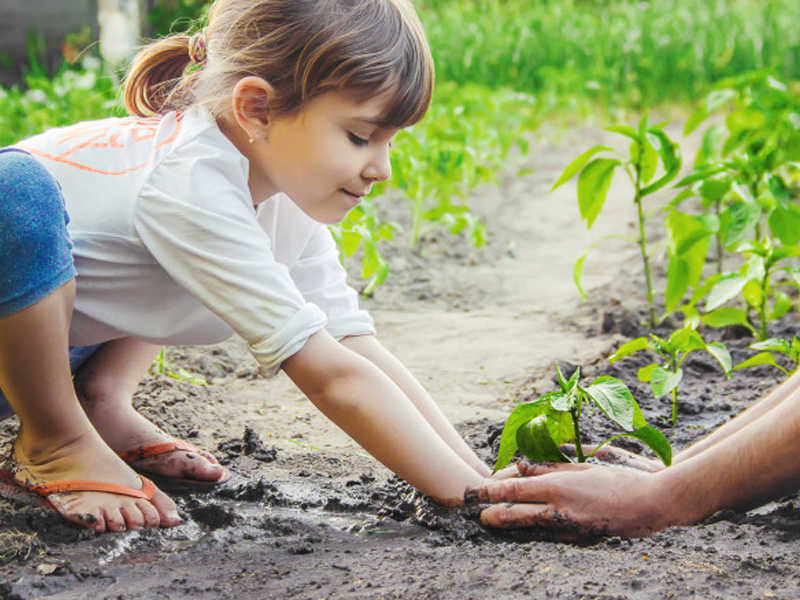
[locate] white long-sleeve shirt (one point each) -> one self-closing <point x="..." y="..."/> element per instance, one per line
<point x="169" y="248"/>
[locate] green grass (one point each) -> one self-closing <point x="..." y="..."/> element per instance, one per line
<point x="615" y="52"/>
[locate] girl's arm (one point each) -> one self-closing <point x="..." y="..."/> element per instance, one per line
<point x="370" y="348"/>
<point x="364" y="401"/>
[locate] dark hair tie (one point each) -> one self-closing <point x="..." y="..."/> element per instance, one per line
<point x="197" y="48"/>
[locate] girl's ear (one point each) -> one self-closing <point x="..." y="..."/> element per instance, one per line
<point x="250" y="104"/>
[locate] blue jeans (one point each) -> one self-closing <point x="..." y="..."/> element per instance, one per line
<point x="35" y="249"/>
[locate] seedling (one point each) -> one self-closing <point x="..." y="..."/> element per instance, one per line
<point x="649" y="147"/>
<point x="666" y="376"/>
<point x="538" y="428"/>
<point x="791" y="349"/>
<point x="162" y="367"/>
<point x="753" y="280"/>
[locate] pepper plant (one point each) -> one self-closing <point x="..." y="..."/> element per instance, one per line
<point x="538" y="428"/>
<point x="746" y="184"/>
<point x="790" y="349"/>
<point x="666" y="375"/>
<point x="754" y="282"/>
<point x="649" y="147"/>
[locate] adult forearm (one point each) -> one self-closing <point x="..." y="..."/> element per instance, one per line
<point x="758" y="410"/>
<point x="756" y="464"/>
<point x="374" y="351"/>
<point x="375" y="412"/>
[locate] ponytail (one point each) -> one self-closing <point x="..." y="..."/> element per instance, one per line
<point x="155" y="78"/>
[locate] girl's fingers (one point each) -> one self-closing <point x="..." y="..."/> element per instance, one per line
<point x="530" y="469"/>
<point x="505" y="473"/>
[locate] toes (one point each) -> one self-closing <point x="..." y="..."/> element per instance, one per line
<point x="132" y="514"/>
<point x="149" y="514"/>
<point x="167" y="511"/>
<point x="73" y="509"/>
<point x="114" y="519"/>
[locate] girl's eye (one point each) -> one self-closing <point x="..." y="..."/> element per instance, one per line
<point x="358" y="141"/>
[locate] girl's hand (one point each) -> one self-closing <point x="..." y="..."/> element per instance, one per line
<point x="509" y="471"/>
<point x="618" y="456"/>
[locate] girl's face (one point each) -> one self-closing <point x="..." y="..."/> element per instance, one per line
<point x="325" y="157"/>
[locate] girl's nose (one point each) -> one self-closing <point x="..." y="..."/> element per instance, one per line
<point x="380" y="167"/>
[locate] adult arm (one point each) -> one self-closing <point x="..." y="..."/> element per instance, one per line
<point x="370" y="348"/>
<point x="361" y="399"/>
<point x="755" y="464"/>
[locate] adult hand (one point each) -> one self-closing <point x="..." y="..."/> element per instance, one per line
<point x="575" y="501"/>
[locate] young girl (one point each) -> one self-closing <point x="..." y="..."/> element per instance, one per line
<point x="203" y="215"/>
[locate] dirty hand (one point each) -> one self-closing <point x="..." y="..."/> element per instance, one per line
<point x="575" y="501"/>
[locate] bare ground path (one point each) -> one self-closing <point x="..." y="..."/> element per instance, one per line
<point x="310" y="515"/>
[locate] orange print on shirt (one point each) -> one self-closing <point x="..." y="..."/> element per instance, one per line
<point x="115" y="136"/>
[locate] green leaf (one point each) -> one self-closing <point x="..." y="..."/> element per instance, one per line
<point x="648" y="161"/>
<point x="663" y="381"/>
<point x="686" y="340"/>
<point x="578" y="164"/>
<point x="780" y="306"/>
<point x="614" y="399"/>
<point x="645" y="373"/>
<point x="762" y="358"/>
<point x="729" y="286"/>
<point x="784" y="223"/>
<point x="628" y="348"/>
<point x="559" y="401"/>
<point x="350" y="242"/>
<point x="535" y="442"/>
<point x="654" y="439"/>
<point x="522" y="413"/>
<point x="720" y="352"/>
<point x="670" y="158"/>
<point x="677" y="282"/>
<point x="772" y="344"/>
<point x="624" y="130"/>
<point x="736" y="221"/>
<point x="577" y="275"/>
<point x="723" y="317"/>
<point x="701" y="173"/>
<point x="593" y="184"/>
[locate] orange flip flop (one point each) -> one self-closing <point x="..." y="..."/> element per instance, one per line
<point x="174" y="484"/>
<point x="37" y="494"/>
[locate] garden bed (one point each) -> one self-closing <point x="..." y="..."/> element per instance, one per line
<point x="309" y="515"/>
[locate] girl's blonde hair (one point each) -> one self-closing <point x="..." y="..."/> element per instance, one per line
<point x="303" y="48"/>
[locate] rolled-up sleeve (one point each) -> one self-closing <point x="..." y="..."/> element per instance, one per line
<point x="322" y="280"/>
<point x="195" y="216"/>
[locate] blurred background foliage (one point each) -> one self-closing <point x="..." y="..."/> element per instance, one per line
<point x="502" y="67"/>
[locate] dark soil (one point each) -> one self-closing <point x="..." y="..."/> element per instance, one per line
<point x="303" y="522"/>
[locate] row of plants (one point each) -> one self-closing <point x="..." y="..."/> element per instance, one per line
<point x="733" y="238"/>
<point x="613" y="52"/>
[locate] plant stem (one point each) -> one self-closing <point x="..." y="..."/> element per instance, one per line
<point x="674" y="363"/>
<point x="762" y="308"/>
<point x="578" y="444"/>
<point x="719" y="240"/>
<point x="643" y="247"/>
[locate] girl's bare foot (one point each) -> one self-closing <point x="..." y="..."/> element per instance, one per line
<point x="105" y="385"/>
<point x="88" y="458"/>
<point x="125" y="430"/>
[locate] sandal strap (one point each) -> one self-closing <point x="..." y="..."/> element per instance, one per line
<point x="156" y="450"/>
<point x="147" y="491"/>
